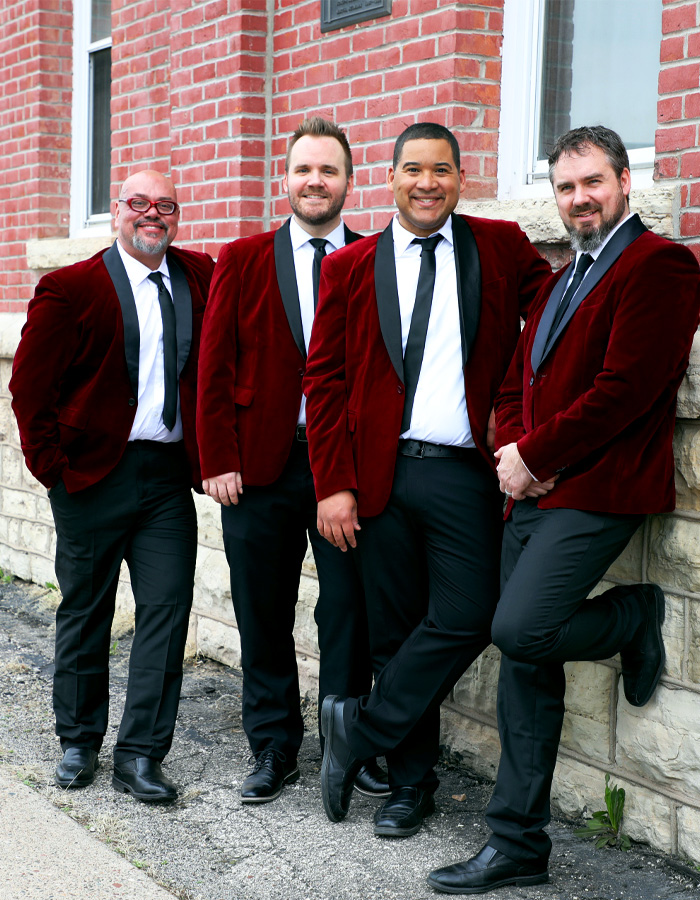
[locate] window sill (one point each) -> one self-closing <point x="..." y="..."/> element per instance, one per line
<point x="54" y="253"/>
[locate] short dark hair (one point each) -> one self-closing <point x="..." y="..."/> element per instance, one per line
<point x="579" y="139"/>
<point x="430" y="131"/>
<point x="317" y="126"/>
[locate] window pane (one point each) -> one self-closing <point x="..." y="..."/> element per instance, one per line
<point x="600" y="66"/>
<point x="101" y="20"/>
<point x="100" y="131"/>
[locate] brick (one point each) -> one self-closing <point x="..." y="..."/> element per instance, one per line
<point x="690" y="224"/>
<point x="679" y="78"/>
<point x="672" y="49"/>
<point x="667" y="167"/>
<point x="690" y="165"/>
<point x="693" y="45"/>
<point x="679" y="18"/>
<point x="669" y="109"/>
<point x="679" y="138"/>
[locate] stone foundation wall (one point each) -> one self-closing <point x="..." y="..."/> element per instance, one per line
<point x="654" y="753"/>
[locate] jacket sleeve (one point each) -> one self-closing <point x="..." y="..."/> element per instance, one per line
<point x="216" y="392"/>
<point x="330" y="448"/>
<point x="49" y="341"/>
<point x="647" y="353"/>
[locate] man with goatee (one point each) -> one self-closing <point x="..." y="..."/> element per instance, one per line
<point x="252" y="434"/>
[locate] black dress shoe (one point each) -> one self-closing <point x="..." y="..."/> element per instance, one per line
<point x="142" y="777"/>
<point x="340" y="766"/>
<point x="644" y="657"/>
<point x="487" y="870"/>
<point x="403" y="813"/>
<point x="269" y="776"/>
<point x="372" y="780"/>
<point x="77" y="768"/>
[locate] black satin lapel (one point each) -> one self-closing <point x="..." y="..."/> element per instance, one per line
<point x="287" y="282"/>
<point x="182" y="301"/>
<point x="545" y="323"/>
<point x="468" y="266"/>
<point x="388" y="298"/>
<point x="351" y="236"/>
<point x="619" y="242"/>
<point x="132" y="334"/>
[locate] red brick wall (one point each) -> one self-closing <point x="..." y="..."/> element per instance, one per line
<point x="35" y="97"/>
<point x="435" y="60"/>
<point x="677" y="151"/>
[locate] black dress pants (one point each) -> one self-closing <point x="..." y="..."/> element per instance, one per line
<point x="265" y="538"/>
<point x="141" y="512"/>
<point x="551" y="561"/>
<point x="429" y="567"/>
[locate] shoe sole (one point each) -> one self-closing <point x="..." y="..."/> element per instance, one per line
<point x="660" y="617"/>
<point x="288" y="779"/>
<point x="76" y="782"/>
<point x="519" y="881"/>
<point x="327" y="716"/>
<point x="124" y="788"/>
<point x="373" y="794"/>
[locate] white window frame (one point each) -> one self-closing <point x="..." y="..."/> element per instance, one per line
<point x="520" y="176"/>
<point x="81" y="224"/>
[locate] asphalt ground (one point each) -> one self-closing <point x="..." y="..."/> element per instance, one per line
<point x="96" y="843"/>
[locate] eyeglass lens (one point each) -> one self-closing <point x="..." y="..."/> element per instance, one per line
<point x="140" y="204"/>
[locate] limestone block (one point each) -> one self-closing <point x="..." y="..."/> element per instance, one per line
<point x="476" y="742"/>
<point x="208" y="522"/>
<point x="587" y="721"/>
<point x="693" y="666"/>
<point x="688" y="821"/>
<point x="686" y="448"/>
<point x="5" y="368"/>
<point x="673" y="631"/>
<point x="124" y="606"/>
<point x="16" y="562"/>
<point x="478" y="687"/>
<point x="8" y="424"/>
<point x="309" y="564"/>
<point x="191" y="642"/>
<point x="305" y="631"/>
<point x="689" y="393"/>
<point x="218" y="641"/>
<point x="628" y="566"/>
<point x="3" y="529"/>
<point x="53" y="253"/>
<point x="35" y="537"/>
<point x="673" y="553"/>
<point x="212" y="589"/>
<point x="660" y="741"/>
<point x="21" y="504"/>
<point x="43" y="510"/>
<point x="10" y="330"/>
<point x="14" y="528"/>
<point x="308" y="676"/>
<point x="42" y="569"/>
<point x="577" y="787"/>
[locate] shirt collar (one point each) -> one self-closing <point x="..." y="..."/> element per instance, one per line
<point x="404" y="238"/>
<point x="135" y="270"/>
<point x="596" y="253"/>
<point x="299" y="236"/>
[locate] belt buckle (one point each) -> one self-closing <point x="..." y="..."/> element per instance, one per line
<point x="301" y="434"/>
<point x="419" y="454"/>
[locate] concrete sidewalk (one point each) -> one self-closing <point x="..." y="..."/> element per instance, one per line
<point x="207" y="846"/>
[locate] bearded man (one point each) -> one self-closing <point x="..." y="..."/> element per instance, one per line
<point x="104" y="390"/>
<point x="254" y="456"/>
<point x="584" y="427"/>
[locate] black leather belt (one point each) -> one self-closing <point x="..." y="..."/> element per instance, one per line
<point x="421" y="449"/>
<point x="301" y="433"/>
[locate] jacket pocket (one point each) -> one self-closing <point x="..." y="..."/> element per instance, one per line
<point x="243" y="396"/>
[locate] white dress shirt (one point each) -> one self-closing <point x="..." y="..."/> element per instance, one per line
<point x="303" y="266"/>
<point x="594" y="253"/>
<point x="439" y="412"/>
<point x="148" y="422"/>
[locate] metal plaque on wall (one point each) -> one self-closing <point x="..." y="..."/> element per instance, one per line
<point x="339" y="13"/>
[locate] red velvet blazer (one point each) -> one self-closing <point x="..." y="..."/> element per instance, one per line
<point x="252" y="360"/>
<point x="354" y="376"/>
<point x="73" y="389"/>
<point x="599" y="409"/>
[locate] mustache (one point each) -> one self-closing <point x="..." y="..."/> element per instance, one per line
<point x="150" y="222"/>
<point x="584" y="208"/>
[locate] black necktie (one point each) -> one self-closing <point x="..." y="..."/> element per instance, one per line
<point x="319" y="245"/>
<point x="582" y="266"/>
<point x="167" y="311"/>
<point x="415" y="345"/>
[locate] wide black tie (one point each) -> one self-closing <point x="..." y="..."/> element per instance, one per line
<point x="167" y="311"/>
<point x="319" y="245"/>
<point x="585" y="261"/>
<point x="415" y="345"/>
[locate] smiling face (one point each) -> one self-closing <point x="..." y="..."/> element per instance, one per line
<point x="146" y="235"/>
<point x="590" y="196"/>
<point x="426" y="184"/>
<point x="317" y="183"/>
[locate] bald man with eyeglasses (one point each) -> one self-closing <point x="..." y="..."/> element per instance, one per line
<point x="104" y="391"/>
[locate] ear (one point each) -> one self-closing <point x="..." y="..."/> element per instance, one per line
<point x="390" y="178"/>
<point x="284" y="183"/>
<point x="626" y="182"/>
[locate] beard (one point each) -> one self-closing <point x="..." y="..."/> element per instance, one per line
<point x="320" y="217"/>
<point x="144" y="246"/>
<point x="592" y="238"/>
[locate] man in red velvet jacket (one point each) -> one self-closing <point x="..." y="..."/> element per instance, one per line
<point x="585" y="433"/>
<point x="398" y="437"/>
<point x="104" y="390"/>
<point x="252" y="435"/>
